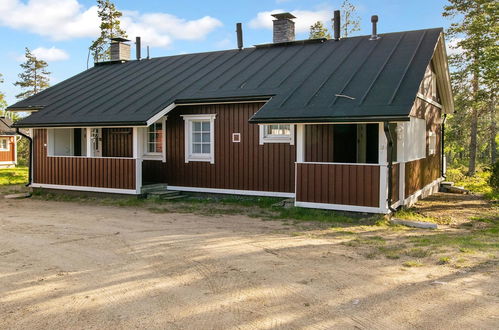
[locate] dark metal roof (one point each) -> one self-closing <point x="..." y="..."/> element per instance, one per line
<point x="351" y="79"/>
<point x="6" y="127"/>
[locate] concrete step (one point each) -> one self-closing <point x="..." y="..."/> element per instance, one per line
<point x="164" y="194"/>
<point x="153" y="187"/>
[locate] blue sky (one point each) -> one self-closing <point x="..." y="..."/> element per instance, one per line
<point x="60" y="31"/>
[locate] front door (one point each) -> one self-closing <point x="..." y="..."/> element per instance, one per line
<point x="96" y="137"/>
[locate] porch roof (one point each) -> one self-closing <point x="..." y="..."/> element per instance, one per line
<point x="354" y="79"/>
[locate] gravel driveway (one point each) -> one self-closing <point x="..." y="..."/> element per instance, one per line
<point x="70" y="265"/>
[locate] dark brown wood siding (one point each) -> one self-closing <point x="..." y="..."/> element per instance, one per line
<point x="154" y="171"/>
<point x="246" y="165"/>
<point x="10" y="155"/>
<point x="115" y="173"/>
<point x="117" y="142"/>
<point x="318" y="143"/>
<point x="338" y="184"/>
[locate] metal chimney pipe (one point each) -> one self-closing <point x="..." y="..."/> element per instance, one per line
<point x="137" y="47"/>
<point x="336" y="25"/>
<point x="374" y="20"/>
<point x="239" y="32"/>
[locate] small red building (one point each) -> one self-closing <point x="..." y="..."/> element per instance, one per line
<point x="351" y="124"/>
<point x="8" y="144"/>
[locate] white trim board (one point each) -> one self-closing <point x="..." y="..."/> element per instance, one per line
<point x="83" y="188"/>
<point x="160" y="114"/>
<point x="409" y="201"/>
<point x="341" y="207"/>
<point x="233" y="191"/>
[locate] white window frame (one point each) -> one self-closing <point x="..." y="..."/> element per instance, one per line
<point x="269" y="138"/>
<point x="432" y="143"/>
<point x="198" y="157"/>
<point x="154" y="155"/>
<point x="7" y="139"/>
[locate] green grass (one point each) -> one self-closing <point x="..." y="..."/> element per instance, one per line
<point x="10" y="176"/>
<point x="412" y="263"/>
<point x="412" y="214"/>
<point x="478" y="184"/>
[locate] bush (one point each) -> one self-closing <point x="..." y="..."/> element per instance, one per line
<point x="494" y="177"/>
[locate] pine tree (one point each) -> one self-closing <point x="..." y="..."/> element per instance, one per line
<point x="3" y="103"/>
<point x="477" y="35"/>
<point x="109" y="28"/>
<point x="34" y="77"/>
<point x="318" y="31"/>
<point x="350" y="20"/>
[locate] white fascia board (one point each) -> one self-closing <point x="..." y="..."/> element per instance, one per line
<point x="160" y="114"/>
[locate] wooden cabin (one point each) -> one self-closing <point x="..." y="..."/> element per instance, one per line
<point x="352" y="124"/>
<point x="8" y="144"/>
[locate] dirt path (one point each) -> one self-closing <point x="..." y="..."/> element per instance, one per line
<point x="68" y="265"/>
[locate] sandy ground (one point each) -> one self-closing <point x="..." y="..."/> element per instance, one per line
<point x="68" y="265"/>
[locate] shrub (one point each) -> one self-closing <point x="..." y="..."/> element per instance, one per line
<point x="494" y="177"/>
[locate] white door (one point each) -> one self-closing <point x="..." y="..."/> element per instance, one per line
<point x="96" y="136"/>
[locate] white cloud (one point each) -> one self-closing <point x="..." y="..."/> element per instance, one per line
<point x="160" y="29"/>
<point x="68" y="19"/>
<point x="51" y="54"/>
<point x="304" y="18"/>
<point x="452" y="48"/>
<point x="57" y="19"/>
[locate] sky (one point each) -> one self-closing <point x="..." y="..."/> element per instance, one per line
<point x="60" y="31"/>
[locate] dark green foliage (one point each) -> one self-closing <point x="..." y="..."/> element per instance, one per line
<point x="109" y="27"/>
<point x="34" y="77"/>
<point x="494" y="177"/>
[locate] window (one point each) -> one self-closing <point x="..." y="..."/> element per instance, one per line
<point x="277" y="133"/>
<point x="199" y="138"/>
<point x="154" y="140"/>
<point x="4" y="144"/>
<point x="432" y="145"/>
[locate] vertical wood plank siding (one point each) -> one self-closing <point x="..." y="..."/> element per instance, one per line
<point x="395" y="183"/>
<point x="318" y="143"/>
<point x="421" y="172"/>
<point x="117" y="142"/>
<point x="246" y="165"/>
<point x="10" y="155"/>
<point x="115" y="173"/>
<point x="338" y="184"/>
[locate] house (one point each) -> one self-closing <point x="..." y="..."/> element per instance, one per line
<point x="351" y="124"/>
<point x="8" y="144"/>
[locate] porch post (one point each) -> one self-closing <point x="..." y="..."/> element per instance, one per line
<point x="138" y="160"/>
<point x="402" y="131"/>
<point x="300" y="143"/>
<point x="89" y="141"/>
<point x="383" y="168"/>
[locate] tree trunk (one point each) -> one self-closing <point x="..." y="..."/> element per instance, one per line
<point x="473" y="128"/>
<point x="493" y="131"/>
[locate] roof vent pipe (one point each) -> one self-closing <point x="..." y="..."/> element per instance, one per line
<point x="137" y="47"/>
<point x="239" y="32"/>
<point x="336" y="25"/>
<point x="374" y="35"/>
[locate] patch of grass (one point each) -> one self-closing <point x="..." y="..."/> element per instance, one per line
<point x="412" y="214"/>
<point x="366" y="241"/>
<point x="392" y="251"/>
<point x="418" y="252"/>
<point x="412" y="263"/>
<point x="11" y="176"/>
<point x="443" y="260"/>
<point x="305" y="214"/>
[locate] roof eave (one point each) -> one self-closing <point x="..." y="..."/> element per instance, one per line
<point x="81" y="124"/>
<point x="308" y="120"/>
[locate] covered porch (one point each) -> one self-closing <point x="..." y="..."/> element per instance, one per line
<point x="347" y="166"/>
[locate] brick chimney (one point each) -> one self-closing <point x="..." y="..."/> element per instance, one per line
<point x="120" y="50"/>
<point x="284" y="28"/>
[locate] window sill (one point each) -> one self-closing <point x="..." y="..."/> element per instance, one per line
<point x="200" y="159"/>
<point x="277" y="140"/>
